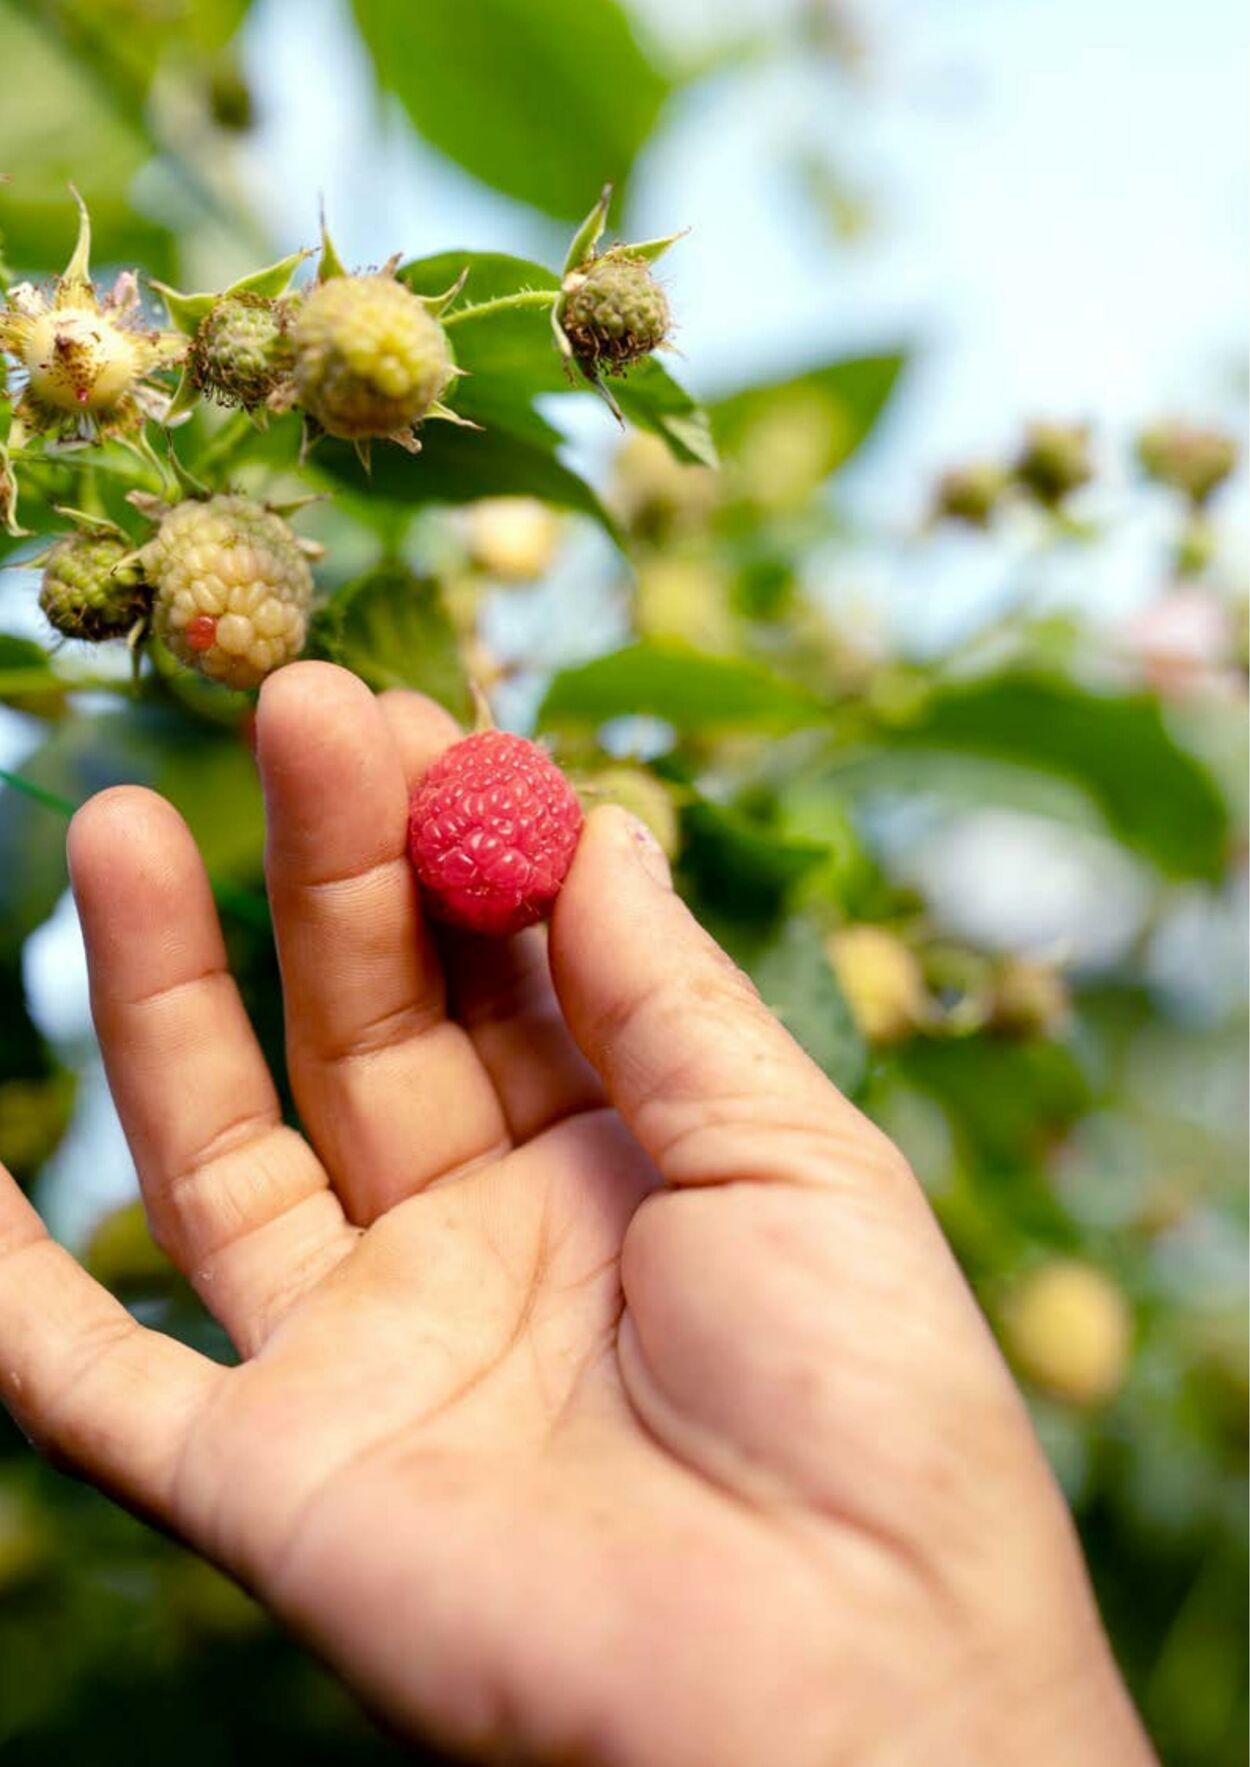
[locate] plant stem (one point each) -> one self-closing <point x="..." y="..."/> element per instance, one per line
<point x="230" y="440"/>
<point x="22" y="681"/>
<point x="524" y="297"/>
<point x="49" y="799"/>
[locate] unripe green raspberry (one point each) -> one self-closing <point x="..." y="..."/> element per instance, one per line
<point x="1191" y="460"/>
<point x="369" y="359"/>
<point x="241" y="352"/>
<point x="970" y="493"/>
<point x="644" y="796"/>
<point x="615" y="312"/>
<point x="122" y="1254"/>
<point x="232" y="588"/>
<point x="1055" y="461"/>
<point x="1028" y="999"/>
<point x="88" y="593"/>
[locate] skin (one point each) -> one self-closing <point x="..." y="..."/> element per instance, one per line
<point x="608" y="1393"/>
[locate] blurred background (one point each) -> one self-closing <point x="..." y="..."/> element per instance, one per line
<point x="935" y="688"/>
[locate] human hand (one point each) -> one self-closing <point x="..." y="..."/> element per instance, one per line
<point x="607" y="1391"/>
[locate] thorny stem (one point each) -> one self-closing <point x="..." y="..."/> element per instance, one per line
<point x="524" y="297"/>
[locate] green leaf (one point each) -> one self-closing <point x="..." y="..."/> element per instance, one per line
<point x="851" y="393"/>
<point x="28" y="682"/>
<point x="1011" y="1100"/>
<point x="789" y="967"/>
<point x="1155" y="797"/>
<point x="459" y="466"/>
<point x="60" y="123"/>
<point x="32" y="866"/>
<point x="688" y="689"/>
<point x="742" y="864"/>
<point x="507" y="355"/>
<point x="543" y="99"/>
<point x="390" y="628"/>
<point x="652" y="400"/>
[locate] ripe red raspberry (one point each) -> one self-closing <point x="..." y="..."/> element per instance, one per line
<point x="491" y="834"/>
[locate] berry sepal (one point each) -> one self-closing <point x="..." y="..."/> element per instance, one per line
<point x="370" y="360"/>
<point x="86" y="359"/>
<point x="610" y="312"/>
<point x="238" y="354"/>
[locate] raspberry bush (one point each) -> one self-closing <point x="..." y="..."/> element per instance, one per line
<point x="988" y="870"/>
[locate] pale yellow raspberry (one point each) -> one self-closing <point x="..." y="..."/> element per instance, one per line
<point x="232" y="589"/>
<point x="882" y="981"/>
<point x="1069" y="1329"/>
<point x="369" y="359"/>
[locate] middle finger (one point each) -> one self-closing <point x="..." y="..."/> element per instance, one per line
<point x="392" y="1092"/>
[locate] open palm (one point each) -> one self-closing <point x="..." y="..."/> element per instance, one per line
<point x="607" y="1392"/>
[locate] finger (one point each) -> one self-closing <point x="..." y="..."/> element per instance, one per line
<point x="87" y="1383"/>
<point x="713" y="1086"/>
<point x="500" y="989"/>
<point x="391" y="1091"/>
<point x="237" y="1199"/>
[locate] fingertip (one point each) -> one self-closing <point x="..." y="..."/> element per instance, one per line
<point x="139" y="886"/>
<point x="304" y="698"/>
<point x="616" y="850"/>
<point x="123" y="822"/>
<point x="617" y="907"/>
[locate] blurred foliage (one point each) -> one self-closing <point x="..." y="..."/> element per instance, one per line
<point x="562" y="95"/>
<point x="1070" y="1107"/>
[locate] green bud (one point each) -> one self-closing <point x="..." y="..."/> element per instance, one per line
<point x="1190" y="460"/>
<point x="970" y="494"/>
<point x="614" y="312"/>
<point x="241" y="354"/>
<point x="1055" y="461"/>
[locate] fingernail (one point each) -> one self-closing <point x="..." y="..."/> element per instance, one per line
<point x="647" y="850"/>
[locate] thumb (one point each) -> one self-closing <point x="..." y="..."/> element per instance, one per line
<point x="712" y="1085"/>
